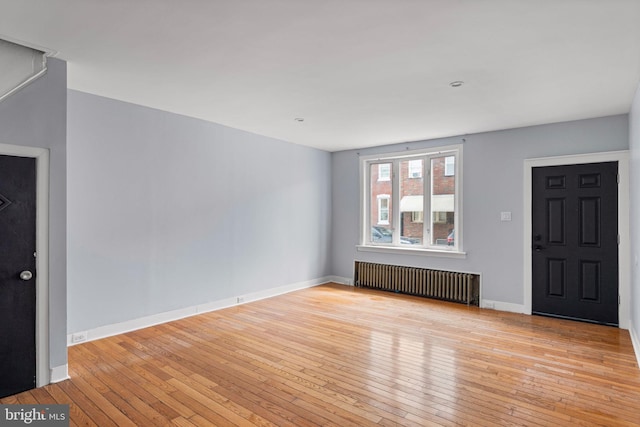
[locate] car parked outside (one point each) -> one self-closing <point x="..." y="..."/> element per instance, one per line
<point x="384" y="235"/>
<point x="381" y="235"/>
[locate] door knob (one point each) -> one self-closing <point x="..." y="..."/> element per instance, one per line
<point x="26" y="275"/>
<point x="538" y="248"/>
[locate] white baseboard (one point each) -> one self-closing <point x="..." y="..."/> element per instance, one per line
<point x="156" y="319"/>
<point x="59" y="373"/>
<point x="636" y="342"/>
<point x="502" y="306"/>
<point x="342" y="280"/>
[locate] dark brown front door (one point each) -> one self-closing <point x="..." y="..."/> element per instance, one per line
<point x="575" y="242"/>
<point x="17" y="274"/>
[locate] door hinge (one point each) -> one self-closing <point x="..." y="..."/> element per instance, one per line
<point x="618" y="299"/>
<point x="618" y="239"/>
<point x="618" y="178"/>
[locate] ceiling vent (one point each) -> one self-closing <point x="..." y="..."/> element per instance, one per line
<point x="19" y="66"/>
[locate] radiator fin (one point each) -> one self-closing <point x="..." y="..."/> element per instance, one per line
<point x="445" y="285"/>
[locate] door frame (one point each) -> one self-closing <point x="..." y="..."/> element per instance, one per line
<point x="624" y="248"/>
<point x="41" y="155"/>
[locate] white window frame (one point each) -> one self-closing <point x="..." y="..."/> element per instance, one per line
<point x="449" y="167"/>
<point x="438" y="218"/>
<point x="387" y="175"/>
<point x="380" y="198"/>
<point x="428" y="249"/>
<point x="411" y="168"/>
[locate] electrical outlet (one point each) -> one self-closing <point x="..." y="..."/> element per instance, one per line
<point x="505" y="216"/>
<point x="240" y="300"/>
<point x="78" y="337"/>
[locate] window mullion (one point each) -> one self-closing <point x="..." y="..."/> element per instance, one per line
<point x="426" y="208"/>
<point x="395" y="201"/>
<point x="368" y="208"/>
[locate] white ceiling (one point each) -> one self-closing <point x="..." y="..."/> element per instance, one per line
<point x="360" y="72"/>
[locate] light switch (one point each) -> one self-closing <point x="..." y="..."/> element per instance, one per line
<point x="505" y="216"/>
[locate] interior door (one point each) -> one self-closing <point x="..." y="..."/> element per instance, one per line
<point x="17" y="274"/>
<point x="575" y="242"/>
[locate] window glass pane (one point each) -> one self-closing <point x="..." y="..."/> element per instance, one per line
<point x="415" y="168"/>
<point x="384" y="172"/>
<point x="411" y="202"/>
<point x="449" y="165"/>
<point x="381" y="206"/>
<point x="442" y="215"/>
<point x="383" y="210"/>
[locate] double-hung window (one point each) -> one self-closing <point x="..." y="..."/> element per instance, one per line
<point x="411" y="200"/>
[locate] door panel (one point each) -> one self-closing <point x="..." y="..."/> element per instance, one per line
<point x="590" y="280"/>
<point x="590" y="221"/>
<point x="17" y="254"/>
<point x="575" y="242"/>
<point x="555" y="221"/>
<point x="557" y="277"/>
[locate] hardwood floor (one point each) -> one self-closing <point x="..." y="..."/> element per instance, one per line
<point x="340" y="356"/>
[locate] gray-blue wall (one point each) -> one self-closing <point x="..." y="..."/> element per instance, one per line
<point x="493" y="170"/>
<point x="634" y="146"/>
<point x="167" y="212"/>
<point x="36" y="116"/>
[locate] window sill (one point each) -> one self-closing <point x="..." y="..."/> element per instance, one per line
<point x="412" y="251"/>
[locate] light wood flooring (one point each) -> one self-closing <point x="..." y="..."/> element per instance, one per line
<point x="340" y="356"/>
